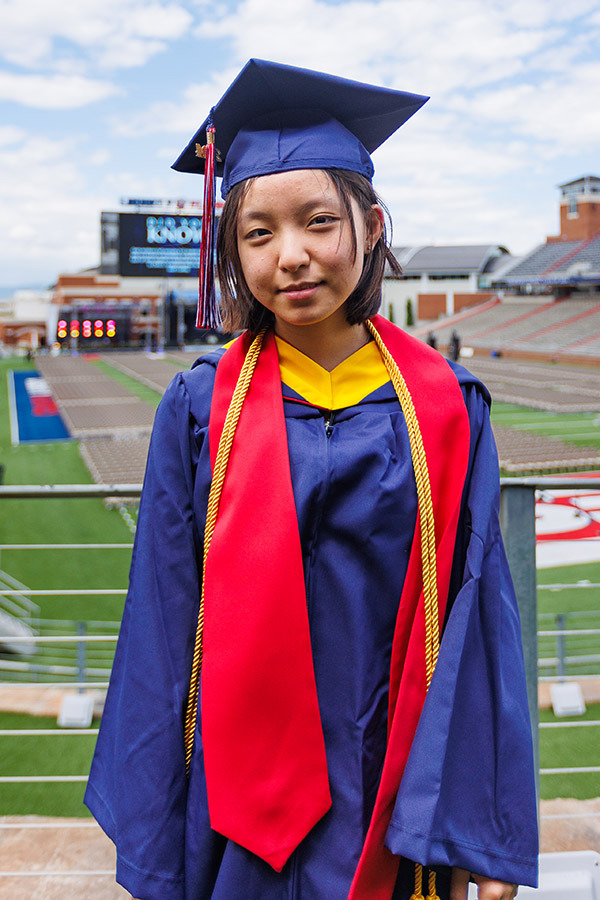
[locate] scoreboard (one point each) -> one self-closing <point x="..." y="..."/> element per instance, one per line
<point x="93" y="328"/>
<point x="158" y="245"/>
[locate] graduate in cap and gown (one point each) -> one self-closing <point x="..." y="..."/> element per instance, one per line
<point x="318" y="691"/>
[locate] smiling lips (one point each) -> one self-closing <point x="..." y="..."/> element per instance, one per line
<point x="301" y="290"/>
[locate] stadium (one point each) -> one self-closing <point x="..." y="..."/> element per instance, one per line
<point x="85" y="366"/>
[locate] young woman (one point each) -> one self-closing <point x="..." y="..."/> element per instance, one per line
<point x="318" y="691"/>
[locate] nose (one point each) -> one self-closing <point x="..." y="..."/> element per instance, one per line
<point x="293" y="253"/>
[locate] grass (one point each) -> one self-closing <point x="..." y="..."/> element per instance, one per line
<point x="567" y="747"/>
<point x="145" y="393"/>
<point x="41" y="755"/>
<point x="568" y="599"/>
<point x="58" y="521"/>
<point x="576" y="428"/>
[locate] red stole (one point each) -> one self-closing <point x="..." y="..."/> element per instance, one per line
<point x="264" y="752"/>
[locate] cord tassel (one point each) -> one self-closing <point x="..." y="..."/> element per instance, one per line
<point x="209" y="315"/>
<point x="433" y="894"/>
<point x="418" y="894"/>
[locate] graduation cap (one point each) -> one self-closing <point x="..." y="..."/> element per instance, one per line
<point x="276" y="118"/>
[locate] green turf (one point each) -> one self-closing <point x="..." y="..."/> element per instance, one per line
<point x="568" y="747"/>
<point x="42" y="755"/>
<point x="145" y="393"/>
<point x="576" y="428"/>
<point x="568" y="599"/>
<point x="58" y="521"/>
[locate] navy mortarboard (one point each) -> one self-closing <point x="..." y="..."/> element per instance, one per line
<point x="275" y="118"/>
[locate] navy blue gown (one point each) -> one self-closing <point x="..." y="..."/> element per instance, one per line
<point x="467" y="797"/>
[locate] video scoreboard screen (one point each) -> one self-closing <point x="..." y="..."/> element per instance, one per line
<point x="153" y="244"/>
<point x="93" y="328"/>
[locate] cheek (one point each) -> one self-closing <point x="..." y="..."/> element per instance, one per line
<point x="347" y="269"/>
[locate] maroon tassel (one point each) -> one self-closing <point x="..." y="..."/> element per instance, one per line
<point x="209" y="314"/>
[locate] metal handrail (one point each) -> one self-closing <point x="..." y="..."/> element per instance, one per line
<point x="518" y="523"/>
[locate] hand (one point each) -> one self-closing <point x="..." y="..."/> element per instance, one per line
<point x="487" y="888"/>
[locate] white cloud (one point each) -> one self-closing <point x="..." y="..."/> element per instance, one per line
<point x="111" y="33"/>
<point x="49" y="220"/>
<point x="10" y="134"/>
<point x="99" y="157"/>
<point x="559" y="112"/>
<point x="182" y="116"/>
<point x="53" y="91"/>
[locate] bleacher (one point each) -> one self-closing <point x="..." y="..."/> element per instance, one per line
<point x="479" y="322"/>
<point x="538" y="261"/>
<point x="586" y="346"/>
<point x="542" y="329"/>
<point x="532" y="326"/>
<point x="586" y="258"/>
<point x="557" y="337"/>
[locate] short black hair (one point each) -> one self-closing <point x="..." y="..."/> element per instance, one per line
<point x="241" y="310"/>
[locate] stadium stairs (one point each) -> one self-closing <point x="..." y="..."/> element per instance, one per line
<point x="536" y="328"/>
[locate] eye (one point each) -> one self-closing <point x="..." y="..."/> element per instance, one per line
<point x="324" y="219"/>
<point x="257" y="233"/>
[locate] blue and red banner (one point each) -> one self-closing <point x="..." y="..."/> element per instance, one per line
<point x="34" y="416"/>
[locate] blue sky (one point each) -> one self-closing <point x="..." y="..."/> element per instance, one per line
<point x="98" y="97"/>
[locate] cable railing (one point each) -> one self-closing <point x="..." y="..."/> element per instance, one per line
<point x="77" y="654"/>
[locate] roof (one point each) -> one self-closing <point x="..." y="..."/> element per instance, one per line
<point x="462" y="259"/>
<point x="583" y="180"/>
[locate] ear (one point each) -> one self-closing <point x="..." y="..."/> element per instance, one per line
<point x="374" y="225"/>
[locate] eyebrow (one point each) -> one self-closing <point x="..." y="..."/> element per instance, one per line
<point x="304" y="209"/>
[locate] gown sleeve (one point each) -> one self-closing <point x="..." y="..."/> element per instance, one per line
<point x="467" y="797"/>
<point x="137" y="787"/>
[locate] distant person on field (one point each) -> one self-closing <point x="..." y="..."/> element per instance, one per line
<point x="454" y="346"/>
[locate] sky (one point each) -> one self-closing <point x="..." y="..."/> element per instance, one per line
<point x="98" y="97"/>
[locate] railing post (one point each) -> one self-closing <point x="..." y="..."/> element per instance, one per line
<point x="561" y="644"/>
<point x="517" y="521"/>
<point x="81" y="655"/>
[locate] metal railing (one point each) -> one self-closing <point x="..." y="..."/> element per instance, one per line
<point x="517" y="515"/>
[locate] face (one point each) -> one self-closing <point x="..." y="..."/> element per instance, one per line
<point x="295" y="247"/>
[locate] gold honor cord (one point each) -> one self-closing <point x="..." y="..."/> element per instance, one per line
<point x="214" y="498"/>
<point x="428" y="550"/>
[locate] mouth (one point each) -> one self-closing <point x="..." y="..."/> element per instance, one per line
<point x="300" y="290"/>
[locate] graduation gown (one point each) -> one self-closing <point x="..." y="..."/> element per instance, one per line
<point x="467" y="796"/>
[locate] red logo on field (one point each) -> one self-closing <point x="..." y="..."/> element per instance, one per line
<point x="43" y="406"/>
<point x="567" y="515"/>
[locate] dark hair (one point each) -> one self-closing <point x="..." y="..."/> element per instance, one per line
<point x="241" y="310"/>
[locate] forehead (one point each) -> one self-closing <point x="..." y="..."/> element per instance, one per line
<point x="287" y="190"/>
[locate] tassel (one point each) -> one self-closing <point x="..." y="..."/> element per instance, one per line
<point x="433" y="894"/>
<point x="209" y="315"/>
<point x="418" y="894"/>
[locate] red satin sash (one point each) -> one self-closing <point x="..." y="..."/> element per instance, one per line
<point x="264" y="752"/>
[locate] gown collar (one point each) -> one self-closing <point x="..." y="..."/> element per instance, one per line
<point x="350" y="382"/>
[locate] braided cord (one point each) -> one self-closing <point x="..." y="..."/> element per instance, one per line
<point x="418" y="894"/>
<point x="428" y="549"/>
<point x="214" y="498"/>
<point x="432" y="895"/>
